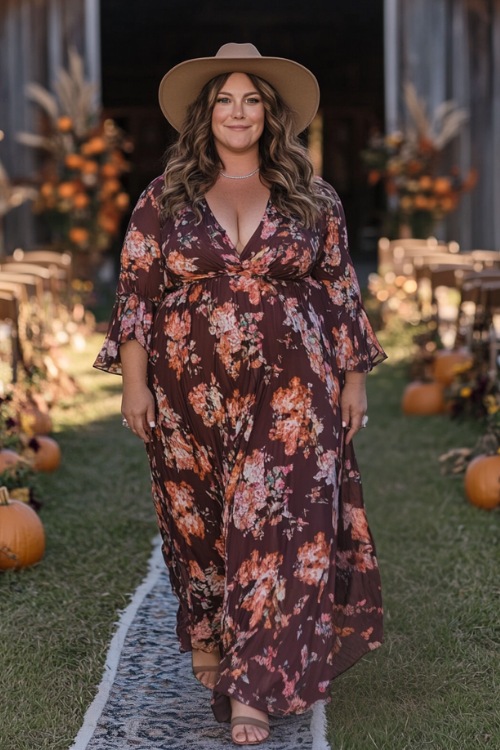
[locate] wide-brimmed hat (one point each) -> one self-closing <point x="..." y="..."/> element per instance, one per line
<point x="296" y="84"/>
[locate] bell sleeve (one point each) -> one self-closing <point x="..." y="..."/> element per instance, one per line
<point x="356" y="345"/>
<point x="141" y="282"/>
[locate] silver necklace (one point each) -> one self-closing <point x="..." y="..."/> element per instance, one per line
<point x="240" y="176"/>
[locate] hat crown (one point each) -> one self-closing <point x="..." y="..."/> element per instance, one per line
<point x="233" y="49"/>
<point x="296" y="84"/>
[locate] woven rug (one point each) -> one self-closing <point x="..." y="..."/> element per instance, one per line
<point x="148" y="699"/>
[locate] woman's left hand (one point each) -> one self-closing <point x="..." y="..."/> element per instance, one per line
<point x="353" y="404"/>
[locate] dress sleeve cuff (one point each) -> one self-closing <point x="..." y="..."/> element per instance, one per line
<point x="356" y="346"/>
<point x="131" y="320"/>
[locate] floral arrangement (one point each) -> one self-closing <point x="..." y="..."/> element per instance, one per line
<point x="19" y="477"/>
<point x="80" y="182"/>
<point x="410" y="166"/>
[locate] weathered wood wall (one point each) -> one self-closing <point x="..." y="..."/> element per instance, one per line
<point x="35" y="36"/>
<point x="450" y="49"/>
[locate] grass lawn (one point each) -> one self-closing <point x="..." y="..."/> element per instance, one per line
<point x="434" y="684"/>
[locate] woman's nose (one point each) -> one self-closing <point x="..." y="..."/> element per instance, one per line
<point x="238" y="110"/>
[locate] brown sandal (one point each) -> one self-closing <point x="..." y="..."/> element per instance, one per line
<point x="251" y="722"/>
<point x="199" y="670"/>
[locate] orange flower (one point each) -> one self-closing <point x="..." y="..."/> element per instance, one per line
<point x="47" y="190"/>
<point x="373" y="177"/>
<point x="81" y="200"/>
<point x="425" y="182"/>
<point x="109" y="170"/>
<point x="73" y="161"/>
<point x="110" y="187"/>
<point x="66" y="189"/>
<point x="108" y="222"/>
<point x="122" y="201"/>
<point x="94" y="146"/>
<point x="78" y="235"/>
<point x="421" y="203"/>
<point x="448" y="204"/>
<point x="442" y="185"/>
<point x="64" y="124"/>
<point x="89" y="167"/>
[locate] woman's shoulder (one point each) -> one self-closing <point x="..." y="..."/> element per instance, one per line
<point x="150" y="195"/>
<point x="155" y="187"/>
<point x="325" y="189"/>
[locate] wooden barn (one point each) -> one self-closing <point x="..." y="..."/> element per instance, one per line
<point x="362" y="52"/>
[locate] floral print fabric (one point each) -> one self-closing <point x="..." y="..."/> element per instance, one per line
<point x="259" y="501"/>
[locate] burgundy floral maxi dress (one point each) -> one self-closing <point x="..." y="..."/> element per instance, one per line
<point x="258" y="500"/>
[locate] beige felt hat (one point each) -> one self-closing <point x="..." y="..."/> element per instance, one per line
<point x="296" y="84"/>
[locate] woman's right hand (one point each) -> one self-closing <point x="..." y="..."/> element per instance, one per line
<point x="138" y="408"/>
<point x="138" y="404"/>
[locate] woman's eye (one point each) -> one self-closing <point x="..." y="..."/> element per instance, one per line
<point x="253" y="100"/>
<point x="223" y="100"/>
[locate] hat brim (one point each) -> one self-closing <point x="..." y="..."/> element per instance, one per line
<point x="296" y="85"/>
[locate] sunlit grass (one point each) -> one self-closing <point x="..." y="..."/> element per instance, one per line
<point x="57" y="618"/>
<point x="434" y="683"/>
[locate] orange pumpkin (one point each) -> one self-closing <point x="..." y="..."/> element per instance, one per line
<point x="47" y="453"/>
<point x="482" y="482"/>
<point x="423" y="398"/>
<point x="8" y="458"/>
<point x="22" y="536"/>
<point x="446" y="362"/>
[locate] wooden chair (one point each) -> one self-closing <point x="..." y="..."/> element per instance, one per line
<point x="405" y="260"/>
<point x="488" y="258"/>
<point x="478" y="301"/>
<point x="35" y="307"/>
<point x="394" y="252"/>
<point x="14" y="299"/>
<point x="33" y="284"/>
<point x="439" y="294"/>
<point x="59" y="264"/>
<point x="9" y="313"/>
<point x="42" y="257"/>
<point x="54" y="281"/>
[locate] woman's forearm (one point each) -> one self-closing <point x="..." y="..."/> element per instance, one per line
<point x="134" y="359"/>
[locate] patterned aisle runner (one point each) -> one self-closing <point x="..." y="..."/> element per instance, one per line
<point x="148" y="699"/>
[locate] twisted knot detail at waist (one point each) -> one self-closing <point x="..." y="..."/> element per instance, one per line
<point x="243" y="273"/>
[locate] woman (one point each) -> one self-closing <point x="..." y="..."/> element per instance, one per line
<point x="244" y="348"/>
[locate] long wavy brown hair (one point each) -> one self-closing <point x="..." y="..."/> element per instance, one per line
<point x="193" y="164"/>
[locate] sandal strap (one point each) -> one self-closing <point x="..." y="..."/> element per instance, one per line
<point x="249" y="721"/>
<point x="198" y="670"/>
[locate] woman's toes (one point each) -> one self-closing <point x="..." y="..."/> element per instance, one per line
<point x="244" y="733"/>
<point x="206" y="667"/>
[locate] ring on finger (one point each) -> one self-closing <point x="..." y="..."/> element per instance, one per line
<point x="364" y="421"/>
<point x="125" y="424"/>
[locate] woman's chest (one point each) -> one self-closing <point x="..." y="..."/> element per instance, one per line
<point x="278" y="246"/>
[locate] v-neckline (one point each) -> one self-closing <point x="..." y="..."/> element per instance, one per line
<point x="226" y="234"/>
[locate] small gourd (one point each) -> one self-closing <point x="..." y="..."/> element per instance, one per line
<point x="8" y="459"/>
<point x="482" y="482"/>
<point x="423" y="398"/>
<point x="47" y="453"/>
<point x="22" y="536"/>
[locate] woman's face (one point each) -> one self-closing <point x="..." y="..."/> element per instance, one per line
<point x="238" y="116"/>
